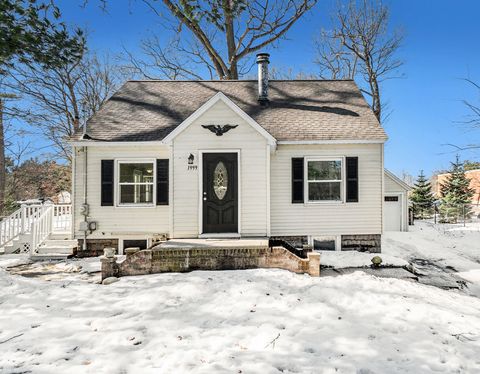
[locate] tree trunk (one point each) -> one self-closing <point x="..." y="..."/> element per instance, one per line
<point x="2" y="162"/>
<point x="230" y="35"/>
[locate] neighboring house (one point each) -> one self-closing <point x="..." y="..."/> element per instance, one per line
<point x="473" y="175"/>
<point x="300" y="160"/>
<point x="63" y="197"/>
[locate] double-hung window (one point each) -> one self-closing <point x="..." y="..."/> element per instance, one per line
<point x="136" y="182"/>
<point x="324" y="180"/>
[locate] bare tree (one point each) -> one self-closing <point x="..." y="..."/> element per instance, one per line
<point x="472" y="119"/>
<point x="213" y="38"/>
<point x="57" y="101"/>
<point x="361" y="45"/>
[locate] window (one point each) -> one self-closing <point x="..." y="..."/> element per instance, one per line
<point x="324" y="180"/>
<point x="136" y="182"/>
<point x="391" y="198"/>
<point x="325" y="243"/>
<point x="142" y="244"/>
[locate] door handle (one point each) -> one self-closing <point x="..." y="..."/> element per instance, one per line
<point x="204" y="199"/>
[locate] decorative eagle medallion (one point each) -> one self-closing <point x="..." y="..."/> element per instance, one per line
<point x="219" y="130"/>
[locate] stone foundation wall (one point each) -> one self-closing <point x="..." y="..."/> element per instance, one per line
<point x="152" y="261"/>
<point x="294" y="241"/>
<point x="362" y="243"/>
<point x="95" y="247"/>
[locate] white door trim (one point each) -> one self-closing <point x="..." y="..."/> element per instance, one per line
<point x="200" y="190"/>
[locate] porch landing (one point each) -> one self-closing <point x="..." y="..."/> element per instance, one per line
<point x="214" y="243"/>
<point x="208" y="254"/>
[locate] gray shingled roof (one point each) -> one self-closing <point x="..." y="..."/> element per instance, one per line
<point x="298" y="109"/>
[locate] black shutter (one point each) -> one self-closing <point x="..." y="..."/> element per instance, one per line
<point x="352" y="179"/>
<point x="297" y="180"/>
<point x="107" y="183"/>
<point x="162" y="182"/>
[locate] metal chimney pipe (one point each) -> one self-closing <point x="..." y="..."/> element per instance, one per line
<point x="262" y="62"/>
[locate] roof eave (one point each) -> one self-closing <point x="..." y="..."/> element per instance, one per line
<point x="333" y="141"/>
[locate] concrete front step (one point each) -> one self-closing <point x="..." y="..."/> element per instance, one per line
<point x="49" y="256"/>
<point x="58" y="247"/>
<point x="61" y="235"/>
<point x="55" y="249"/>
<point x="60" y="243"/>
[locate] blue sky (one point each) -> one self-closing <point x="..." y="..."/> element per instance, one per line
<point x="441" y="47"/>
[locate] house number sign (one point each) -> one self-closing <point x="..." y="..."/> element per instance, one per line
<point x="191" y="163"/>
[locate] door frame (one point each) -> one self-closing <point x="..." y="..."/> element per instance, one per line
<point x="200" y="193"/>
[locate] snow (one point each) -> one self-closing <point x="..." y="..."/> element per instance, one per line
<point x="251" y="321"/>
<point x="345" y="259"/>
<point x="451" y="247"/>
<point x="447" y="245"/>
<point x="13" y="260"/>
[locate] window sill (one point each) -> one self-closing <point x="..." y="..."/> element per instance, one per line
<point x="325" y="202"/>
<point x="135" y="206"/>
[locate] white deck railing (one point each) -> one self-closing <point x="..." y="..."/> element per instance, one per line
<point x="11" y="227"/>
<point x="62" y="218"/>
<point x="40" y="219"/>
<point x="42" y="227"/>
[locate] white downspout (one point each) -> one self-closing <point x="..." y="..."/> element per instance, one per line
<point x="85" y="184"/>
<point x="73" y="196"/>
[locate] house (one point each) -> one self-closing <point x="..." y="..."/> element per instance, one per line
<point x="293" y="160"/>
<point x="472" y="175"/>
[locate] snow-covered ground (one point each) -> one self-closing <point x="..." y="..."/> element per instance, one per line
<point x="447" y="246"/>
<point x="355" y="259"/>
<point x="252" y="321"/>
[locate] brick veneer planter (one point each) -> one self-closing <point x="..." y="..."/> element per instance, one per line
<point x="151" y="261"/>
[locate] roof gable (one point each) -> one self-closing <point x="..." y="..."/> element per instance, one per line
<point x="219" y="96"/>
<point x="397" y="180"/>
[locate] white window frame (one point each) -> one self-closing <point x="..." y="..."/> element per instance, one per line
<point x="121" y="240"/>
<point x="307" y="182"/>
<point x="118" y="162"/>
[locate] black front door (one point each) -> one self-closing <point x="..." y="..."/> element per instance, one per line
<point x="220" y="193"/>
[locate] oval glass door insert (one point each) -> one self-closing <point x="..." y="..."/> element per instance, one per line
<point x="220" y="180"/>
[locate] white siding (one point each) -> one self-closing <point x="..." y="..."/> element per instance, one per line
<point x="392" y="186"/>
<point x="112" y="221"/>
<point x="252" y="169"/>
<point x="364" y="217"/>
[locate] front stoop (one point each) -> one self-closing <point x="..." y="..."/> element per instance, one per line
<point x="164" y="260"/>
<point x="54" y="249"/>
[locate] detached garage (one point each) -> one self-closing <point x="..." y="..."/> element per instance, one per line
<point x="395" y="203"/>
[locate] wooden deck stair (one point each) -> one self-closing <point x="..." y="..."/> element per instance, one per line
<point x="42" y="230"/>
